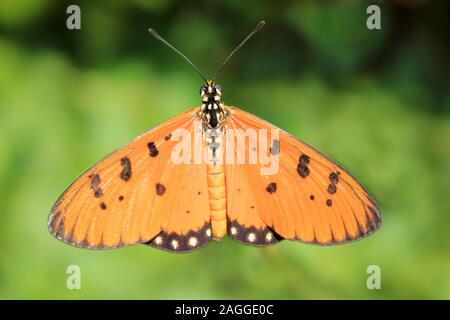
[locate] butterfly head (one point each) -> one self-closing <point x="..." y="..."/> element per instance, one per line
<point x="211" y="93"/>
<point x="212" y="111"/>
<point x="212" y="106"/>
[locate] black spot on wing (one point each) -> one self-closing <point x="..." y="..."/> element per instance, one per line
<point x="271" y="188"/>
<point x="167" y="138"/>
<point x="331" y="189"/>
<point x="334" y="178"/>
<point x="252" y="235"/>
<point x="152" y="148"/>
<point x="275" y="149"/>
<point x="160" y="189"/>
<point x="126" y="169"/>
<point x="329" y="202"/>
<point x="120" y="198"/>
<point x="182" y="243"/>
<point x="98" y="193"/>
<point x="95" y="181"/>
<point x="103" y="206"/>
<point x="302" y="167"/>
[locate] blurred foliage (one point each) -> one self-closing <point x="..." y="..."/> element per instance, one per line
<point x="378" y="101"/>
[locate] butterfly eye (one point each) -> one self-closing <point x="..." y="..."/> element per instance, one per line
<point x="218" y="90"/>
<point x="202" y="90"/>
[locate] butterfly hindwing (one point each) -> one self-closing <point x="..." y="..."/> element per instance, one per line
<point x="244" y="223"/>
<point x="187" y="205"/>
<point x="129" y="197"/>
<point x="310" y="198"/>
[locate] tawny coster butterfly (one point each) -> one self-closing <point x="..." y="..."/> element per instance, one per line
<point x="140" y="195"/>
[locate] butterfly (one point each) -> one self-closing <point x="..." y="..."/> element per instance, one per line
<point x="140" y="195"/>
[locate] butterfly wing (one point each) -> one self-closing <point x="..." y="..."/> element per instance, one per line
<point x="135" y="196"/>
<point x="243" y="220"/>
<point x="310" y="198"/>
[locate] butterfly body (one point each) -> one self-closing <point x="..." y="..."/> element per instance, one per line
<point x="212" y="114"/>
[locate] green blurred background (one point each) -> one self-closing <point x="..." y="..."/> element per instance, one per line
<point x="377" y="101"/>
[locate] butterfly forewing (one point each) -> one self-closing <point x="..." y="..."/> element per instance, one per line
<point x="134" y="195"/>
<point x="310" y="198"/>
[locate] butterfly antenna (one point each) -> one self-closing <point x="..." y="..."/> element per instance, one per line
<point x="157" y="36"/>
<point x="251" y="34"/>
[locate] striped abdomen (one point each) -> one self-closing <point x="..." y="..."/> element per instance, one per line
<point x="217" y="200"/>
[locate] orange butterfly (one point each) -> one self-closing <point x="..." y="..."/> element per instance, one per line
<point x="141" y="193"/>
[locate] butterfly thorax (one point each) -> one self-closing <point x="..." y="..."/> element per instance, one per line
<point x="212" y="111"/>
